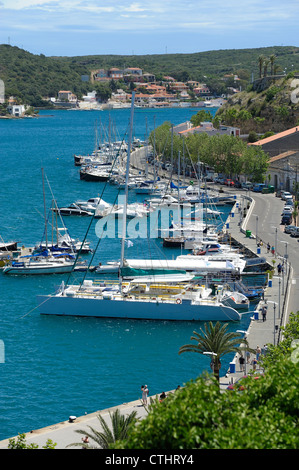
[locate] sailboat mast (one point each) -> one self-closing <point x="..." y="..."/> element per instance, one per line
<point x="45" y="214"/>
<point x="124" y="227"/>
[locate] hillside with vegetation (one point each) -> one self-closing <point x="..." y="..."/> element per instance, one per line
<point x="267" y="106"/>
<point x="32" y="78"/>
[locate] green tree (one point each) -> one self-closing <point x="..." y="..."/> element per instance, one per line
<point x="256" y="163"/>
<point x="261" y="60"/>
<point x="120" y="428"/>
<point x="272" y="62"/>
<point x="214" y="339"/>
<point x="266" y="65"/>
<point x="258" y="414"/>
<point x="103" y="91"/>
<point x="201" y="116"/>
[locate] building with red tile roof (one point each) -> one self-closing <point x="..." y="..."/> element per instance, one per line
<point x="280" y="143"/>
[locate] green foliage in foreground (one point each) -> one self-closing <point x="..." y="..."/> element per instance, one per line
<point x="20" y="443"/>
<point x="262" y="416"/>
<point x="199" y="416"/>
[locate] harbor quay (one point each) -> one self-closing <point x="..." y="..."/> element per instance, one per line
<point x="240" y="229"/>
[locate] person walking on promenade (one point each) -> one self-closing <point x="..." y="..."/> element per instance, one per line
<point x="144" y="390"/>
<point x="273" y="250"/>
<point x="242" y="363"/>
<point x="258" y="352"/>
<point x="264" y="312"/>
<point x="268" y="247"/>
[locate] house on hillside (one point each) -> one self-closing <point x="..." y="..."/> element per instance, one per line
<point x="186" y="129"/>
<point x="100" y="75"/>
<point x="202" y="90"/>
<point x="136" y="71"/>
<point x="178" y="87"/>
<point x="115" y="74"/>
<point x="66" y="95"/>
<point x="16" y="110"/>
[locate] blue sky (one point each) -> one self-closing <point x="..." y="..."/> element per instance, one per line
<point x="85" y="27"/>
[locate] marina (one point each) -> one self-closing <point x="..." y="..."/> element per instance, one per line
<point x="101" y="352"/>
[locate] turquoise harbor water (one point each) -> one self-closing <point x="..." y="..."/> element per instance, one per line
<point x="55" y="367"/>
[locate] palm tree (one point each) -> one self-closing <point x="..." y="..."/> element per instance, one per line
<point x="266" y="65"/>
<point x="272" y="60"/>
<point x="215" y="339"/>
<point x="261" y="60"/>
<point x="103" y="439"/>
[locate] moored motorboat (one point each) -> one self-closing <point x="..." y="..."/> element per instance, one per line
<point x="72" y="209"/>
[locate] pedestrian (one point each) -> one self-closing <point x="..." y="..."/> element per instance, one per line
<point x="279" y="268"/>
<point x="264" y="312"/>
<point x="273" y="250"/>
<point x="268" y="247"/>
<point x="85" y="441"/>
<point x="254" y="363"/>
<point x="258" y="352"/>
<point x="248" y="357"/>
<point x="242" y="362"/>
<point x="144" y="390"/>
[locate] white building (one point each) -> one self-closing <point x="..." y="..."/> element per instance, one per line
<point x="16" y="110"/>
<point x="90" y="97"/>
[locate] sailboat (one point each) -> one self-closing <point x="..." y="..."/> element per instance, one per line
<point x="94" y="299"/>
<point x="44" y="260"/>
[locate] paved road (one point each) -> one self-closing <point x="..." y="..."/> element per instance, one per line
<point x="268" y="209"/>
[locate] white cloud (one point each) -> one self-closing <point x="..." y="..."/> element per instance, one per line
<point x="215" y="19"/>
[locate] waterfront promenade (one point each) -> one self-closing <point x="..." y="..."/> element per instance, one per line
<point x="281" y="289"/>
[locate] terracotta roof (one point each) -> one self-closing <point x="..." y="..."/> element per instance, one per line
<point x="282" y="155"/>
<point x="280" y="135"/>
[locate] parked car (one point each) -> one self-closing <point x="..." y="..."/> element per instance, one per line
<point x="295" y="233"/>
<point x="238" y="184"/>
<point x="285" y="194"/>
<point x="289" y="228"/>
<point x="288" y="199"/>
<point x="219" y="180"/>
<point x="258" y="188"/>
<point x="229" y="182"/>
<point x="247" y="185"/>
<point x="286" y="219"/>
<point x="287" y="210"/>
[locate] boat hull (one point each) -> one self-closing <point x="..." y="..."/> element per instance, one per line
<point x="38" y="270"/>
<point x="134" y="309"/>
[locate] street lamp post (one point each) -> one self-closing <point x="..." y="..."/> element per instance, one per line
<point x="279" y="290"/>
<point x="274" y="330"/>
<point x="285" y="258"/>
<point x="256" y="226"/>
